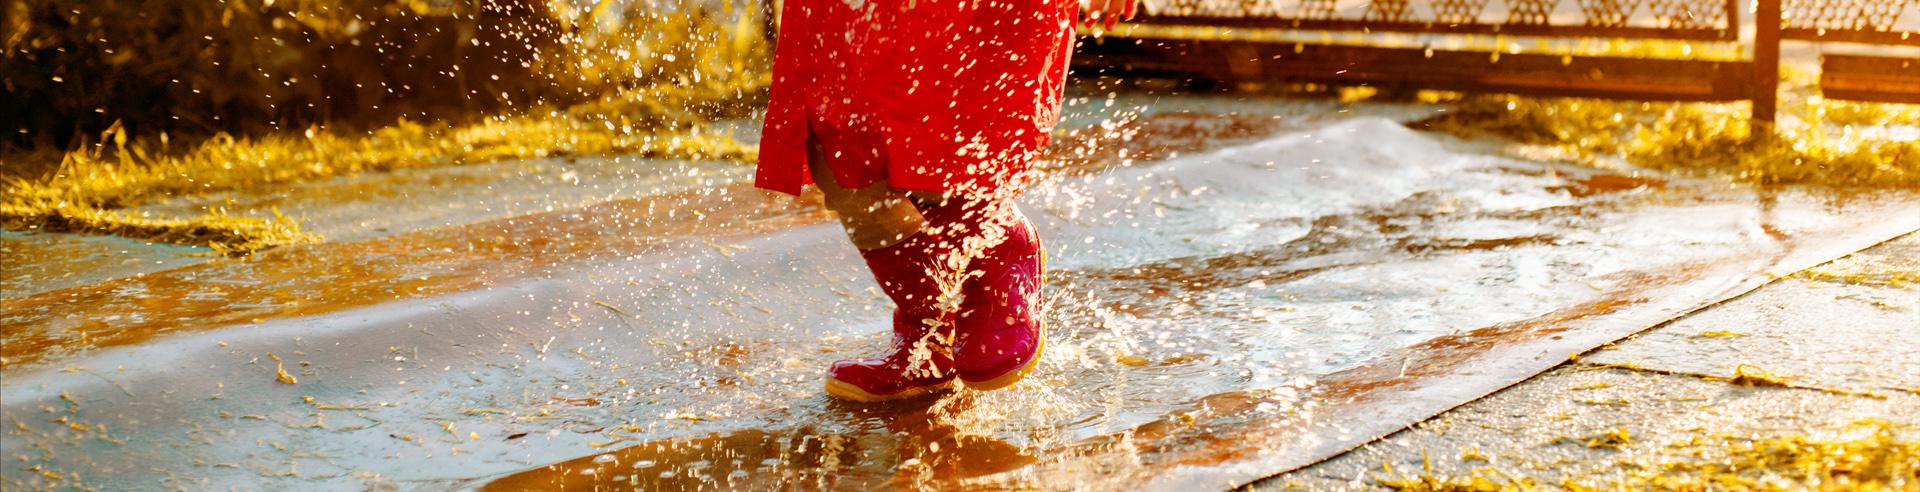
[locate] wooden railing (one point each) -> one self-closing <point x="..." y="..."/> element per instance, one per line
<point x="1753" y="76"/>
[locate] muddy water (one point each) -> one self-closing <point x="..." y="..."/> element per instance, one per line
<point x="1214" y="318"/>
<point x="41" y="262"/>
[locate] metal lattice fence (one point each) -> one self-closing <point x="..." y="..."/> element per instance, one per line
<point x="1665" y="19"/>
<point x="1870" y="21"/>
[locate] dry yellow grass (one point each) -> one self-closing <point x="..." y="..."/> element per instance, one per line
<point x="1867" y="456"/>
<point x="88" y="191"/>
<point x="224" y="233"/>
<point x="1817" y="141"/>
<point x="1870" y="459"/>
<point x="1481" y="479"/>
<point x="657" y="82"/>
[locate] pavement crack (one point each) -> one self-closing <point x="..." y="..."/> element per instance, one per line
<point x="1736" y="380"/>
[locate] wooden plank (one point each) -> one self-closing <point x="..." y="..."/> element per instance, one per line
<point x="1563" y="31"/>
<point x="1468" y="71"/>
<point x="1897" y="38"/>
<point x="1870" y="78"/>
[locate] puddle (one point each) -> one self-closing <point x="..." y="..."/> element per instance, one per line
<point x="1215" y="317"/>
<point x="858" y="447"/>
<point x="1099" y="133"/>
<point x="370" y="205"/>
<point x="42" y="262"/>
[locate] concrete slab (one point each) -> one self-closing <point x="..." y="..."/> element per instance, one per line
<point x="1539" y="432"/>
<point x="1834" y="330"/>
<point x="1816" y="329"/>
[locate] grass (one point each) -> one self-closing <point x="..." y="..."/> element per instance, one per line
<point x="705" y="67"/>
<point x="1816" y="141"/>
<point x="1479" y="479"/>
<point x="224" y="233"/>
<point x="1883" y="277"/>
<point x="1871" y="459"/>
<point x="1865" y="456"/>
<point x="1746" y="375"/>
<point x="90" y="190"/>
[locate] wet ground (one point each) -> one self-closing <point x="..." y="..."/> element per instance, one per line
<point x="1226" y="304"/>
<point x="45" y="262"/>
<point x="1100" y="131"/>
<point x="1835" y="336"/>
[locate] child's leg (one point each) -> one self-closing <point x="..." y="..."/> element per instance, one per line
<point x="886" y="227"/>
<point x="875" y="217"/>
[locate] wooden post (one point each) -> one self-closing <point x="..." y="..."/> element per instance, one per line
<point x="1766" y="61"/>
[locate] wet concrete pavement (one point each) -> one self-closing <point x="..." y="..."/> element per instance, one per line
<point x="1219" y="314"/>
<point x="1842" y="335"/>
<point x="48" y="262"/>
<point x="1099" y="130"/>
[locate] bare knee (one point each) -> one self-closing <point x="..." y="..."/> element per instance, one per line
<point x="875" y="216"/>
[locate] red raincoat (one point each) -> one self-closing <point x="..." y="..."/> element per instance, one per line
<point x="929" y="95"/>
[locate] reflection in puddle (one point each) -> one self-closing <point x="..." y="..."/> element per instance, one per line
<point x="44" y="262"/>
<point x="863" y="447"/>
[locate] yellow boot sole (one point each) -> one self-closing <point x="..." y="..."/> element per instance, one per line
<point x="1016" y="375"/>
<point x="846" y="391"/>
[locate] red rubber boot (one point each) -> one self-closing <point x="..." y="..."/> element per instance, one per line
<point x="999" y="336"/>
<point x="921" y="358"/>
